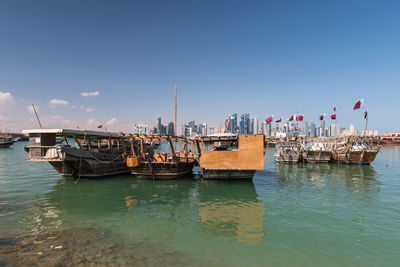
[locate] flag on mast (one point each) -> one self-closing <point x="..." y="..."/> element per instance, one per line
<point x="269" y="120"/>
<point x="358" y="104"/>
<point x="322" y="117"/>
<point x="333" y="117"/>
<point x="277" y="121"/>
<point x="300" y="118"/>
<point x="366" y="115"/>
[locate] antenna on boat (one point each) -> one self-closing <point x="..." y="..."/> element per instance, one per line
<point x="37" y="117"/>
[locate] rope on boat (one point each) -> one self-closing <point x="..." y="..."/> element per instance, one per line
<point x="80" y="169"/>
<point x="105" y="161"/>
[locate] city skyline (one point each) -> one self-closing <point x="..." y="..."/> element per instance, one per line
<point x="81" y="68"/>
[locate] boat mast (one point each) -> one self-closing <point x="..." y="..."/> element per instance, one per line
<point x="175" y="133"/>
<point x="37" y="117"/>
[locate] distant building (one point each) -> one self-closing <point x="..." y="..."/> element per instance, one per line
<point x="211" y="130"/>
<point x="171" y="128"/>
<point x="313" y="132"/>
<point x="322" y="131"/>
<point x="306" y="130"/>
<point x="255" y="125"/>
<point x="204" y="129"/>
<point x="352" y="130"/>
<point x="333" y="130"/>
<point x="141" y="129"/>
<point x="233" y="126"/>
<point x="265" y="128"/>
<point x="218" y="128"/>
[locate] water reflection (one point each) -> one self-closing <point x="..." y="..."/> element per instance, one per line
<point x="353" y="177"/>
<point x="231" y="208"/>
<point x="92" y="200"/>
<point x="328" y="188"/>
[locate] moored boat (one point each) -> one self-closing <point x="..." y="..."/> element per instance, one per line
<point x="287" y="152"/>
<point x="97" y="153"/>
<point x="6" y="141"/>
<point x="143" y="162"/>
<point x="356" y="150"/>
<point x="316" y="152"/>
<point x="240" y="163"/>
<point x="390" y="139"/>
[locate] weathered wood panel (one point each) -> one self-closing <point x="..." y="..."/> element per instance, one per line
<point x="249" y="156"/>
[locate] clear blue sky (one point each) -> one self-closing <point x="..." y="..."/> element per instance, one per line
<point x="260" y="57"/>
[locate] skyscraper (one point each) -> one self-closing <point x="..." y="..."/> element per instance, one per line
<point x="264" y="128"/>
<point x="306" y="130"/>
<point x="218" y="128"/>
<point x="322" y="128"/>
<point x="255" y="125"/>
<point x="170" y="130"/>
<point x="312" y="130"/>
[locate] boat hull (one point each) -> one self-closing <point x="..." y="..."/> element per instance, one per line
<point x="88" y="168"/>
<point x="356" y="157"/>
<point x="227" y="174"/>
<point x="317" y="156"/>
<point x="6" y="144"/>
<point x="82" y="163"/>
<point x="287" y="158"/>
<point x="162" y="170"/>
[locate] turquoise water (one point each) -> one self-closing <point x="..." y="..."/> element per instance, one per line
<point x="303" y="215"/>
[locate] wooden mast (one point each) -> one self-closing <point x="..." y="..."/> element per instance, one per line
<point x="37" y="117"/>
<point x="175" y="133"/>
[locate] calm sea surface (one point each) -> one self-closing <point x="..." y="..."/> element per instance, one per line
<point x="303" y="215"/>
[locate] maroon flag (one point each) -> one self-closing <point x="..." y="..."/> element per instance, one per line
<point x="333" y="116"/>
<point x="365" y="115"/>
<point x="100" y="126"/>
<point x="291" y="118"/>
<point x="299" y="118"/>
<point x="278" y="120"/>
<point x="268" y="120"/>
<point x="322" y="117"/>
<point x="334" y="109"/>
<point x="358" y="104"/>
<point x="227" y="124"/>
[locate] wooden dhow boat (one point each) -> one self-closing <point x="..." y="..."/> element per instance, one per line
<point x="287" y="152"/>
<point x="316" y="151"/>
<point x="357" y="150"/>
<point x="94" y="153"/>
<point x="228" y="163"/>
<point x="173" y="160"/>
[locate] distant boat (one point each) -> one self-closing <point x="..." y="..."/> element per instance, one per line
<point x="356" y="150"/>
<point x="316" y="152"/>
<point x="287" y="152"/>
<point x="6" y="141"/>
<point x="390" y="139"/>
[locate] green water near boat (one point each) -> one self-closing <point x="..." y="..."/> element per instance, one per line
<point x="303" y="215"/>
